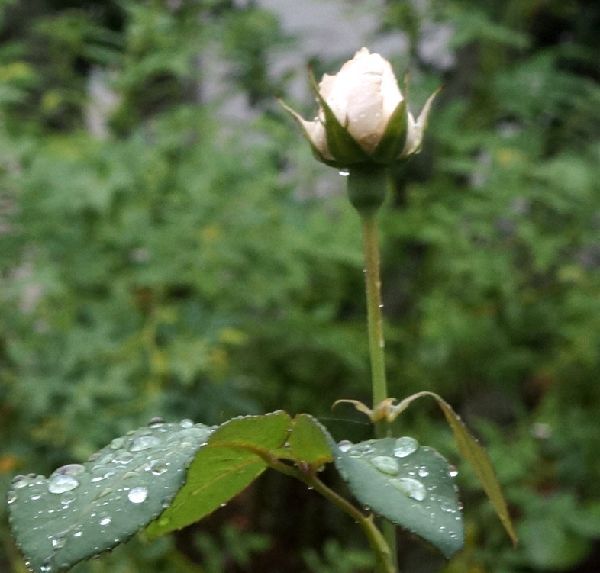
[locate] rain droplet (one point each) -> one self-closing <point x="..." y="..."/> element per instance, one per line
<point x="362" y="449"/>
<point x="405" y="446"/>
<point x="106" y="491"/>
<point x="45" y="568"/>
<point x="344" y="172"/>
<point x="67" y="498"/>
<point x="144" y="443"/>
<point x="345" y="445"/>
<point x="78" y="534"/>
<point x="58" y="542"/>
<point x="411" y="487"/>
<point x="123" y="458"/>
<point x="117" y="443"/>
<point x="385" y="464"/>
<point x="157" y="467"/>
<point x="35" y="497"/>
<point x="186" y="423"/>
<point x="423" y="472"/>
<point x="452" y="472"/>
<point x="11" y="498"/>
<point x="105" y="521"/>
<point x="20" y="482"/>
<point x="137" y="495"/>
<point x="70" y="470"/>
<point x="61" y="483"/>
<point x="157" y="421"/>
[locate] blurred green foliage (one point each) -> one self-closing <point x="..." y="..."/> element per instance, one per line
<point x="166" y="260"/>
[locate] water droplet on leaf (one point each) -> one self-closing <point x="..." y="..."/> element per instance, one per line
<point x="411" y="487"/>
<point x="61" y="483"/>
<point x="345" y="445"/>
<point x="20" y="482"/>
<point x="144" y="443"/>
<point x="157" y="467"/>
<point x="405" y="446"/>
<point x="117" y="443"/>
<point x="385" y="464"/>
<point x="137" y="495"/>
<point x="123" y="458"/>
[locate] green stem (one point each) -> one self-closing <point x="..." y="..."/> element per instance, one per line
<point x="366" y="190"/>
<point x="375" y="318"/>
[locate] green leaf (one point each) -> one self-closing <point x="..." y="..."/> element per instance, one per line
<point x="474" y="454"/>
<point x="310" y="441"/>
<point x="230" y="461"/>
<point x="394" y="137"/>
<point x="407" y="484"/>
<point x="85" y="509"/>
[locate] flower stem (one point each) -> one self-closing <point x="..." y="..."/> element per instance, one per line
<point x="366" y="190"/>
<point x="374" y="314"/>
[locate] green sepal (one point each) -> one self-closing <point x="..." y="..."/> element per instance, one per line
<point x="394" y="137"/>
<point x="342" y="146"/>
<point x="315" y="151"/>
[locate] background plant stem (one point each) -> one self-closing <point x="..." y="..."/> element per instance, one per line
<point x="378" y="542"/>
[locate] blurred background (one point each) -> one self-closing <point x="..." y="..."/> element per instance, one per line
<point x="168" y="247"/>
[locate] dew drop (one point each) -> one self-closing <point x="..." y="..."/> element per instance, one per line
<point x="67" y="498"/>
<point x="123" y="457"/>
<point x="344" y="172"/>
<point x="405" y="446"/>
<point x="345" y="445"/>
<point x="157" y="421"/>
<point x="411" y="487"/>
<point x="362" y="449"/>
<point x="35" y="497"/>
<point x="105" y="521"/>
<point x="157" y="468"/>
<point x="144" y="443"/>
<point x="117" y="443"/>
<point x="137" y="495"/>
<point x="452" y="472"/>
<point x="20" y="482"/>
<point x="58" y="542"/>
<point x="70" y="470"/>
<point x="423" y="472"/>
<point x="78" y="534"/>
<point x="45" y="568"/>
<point x="385" y="464"/>
<point x="62" y="483"/>
<point x="11" y="498"/>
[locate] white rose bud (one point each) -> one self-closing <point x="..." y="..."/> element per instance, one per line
<point x="363" y="116"/>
